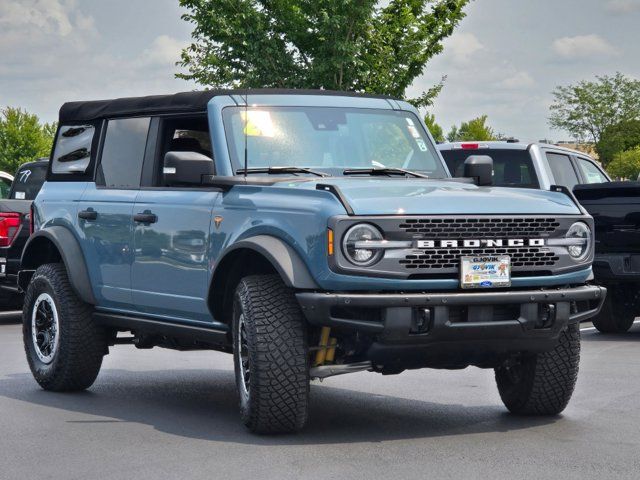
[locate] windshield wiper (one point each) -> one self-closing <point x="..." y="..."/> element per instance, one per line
<point x="276" y="170"/>
<point x="383" y="171"/>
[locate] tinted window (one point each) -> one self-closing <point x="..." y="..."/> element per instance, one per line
<point x="28" y="181"/>
<point x="5" y="185"/>
<point x="511" y="168"/>
<point x="123" y="153"/>
<point x="562" y="169"/>
<point x="73" y="149"/>
<point x="590" y="172"/>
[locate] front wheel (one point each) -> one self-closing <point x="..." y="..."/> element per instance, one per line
<point x="541" y="384"/>
<point x="270" y="356"/>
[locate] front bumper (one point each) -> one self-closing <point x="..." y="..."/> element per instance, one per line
<point x="472" y="322"/>
<point x="617" y="267"/>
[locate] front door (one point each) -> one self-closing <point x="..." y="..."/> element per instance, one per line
<point x="171" y="261"/>
<point x="170" y="270"/>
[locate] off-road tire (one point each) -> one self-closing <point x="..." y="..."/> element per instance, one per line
<point x="82" y="344"/>
<point x="618" y="310"/>
<point x="276" y="400"/>
<point x="542" y="384"/>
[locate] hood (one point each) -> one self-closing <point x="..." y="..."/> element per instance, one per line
<point x="373" y="196"/>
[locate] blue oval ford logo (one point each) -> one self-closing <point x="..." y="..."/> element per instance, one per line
<point x="486" y="283"/>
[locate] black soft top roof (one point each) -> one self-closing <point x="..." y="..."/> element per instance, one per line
<point x="184" y="102"/>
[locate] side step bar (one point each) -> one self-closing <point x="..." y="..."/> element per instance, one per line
<point x="213" y="336"/>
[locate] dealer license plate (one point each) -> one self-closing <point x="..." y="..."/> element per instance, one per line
<point x="489" y="271"/>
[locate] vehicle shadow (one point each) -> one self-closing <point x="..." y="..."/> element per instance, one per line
<point x="202" y="404"/>
<point x="633" y="335"/>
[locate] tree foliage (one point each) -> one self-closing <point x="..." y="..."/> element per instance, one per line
<point x="332" y="44"/>
<point x="473" y="130"/>
<point x="587" y="108"/>
<point x="618" y="138"/>
<point x="23" y="138"/>
<point x="625" y="165"/>
<point x="434" y="128"/>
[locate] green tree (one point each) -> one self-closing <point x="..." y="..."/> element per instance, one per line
<point x="618" y="138"/>
<point x="434" y="128"/>
<point x="473" y="130"/>
<point x="625" y="165"/>
<point x="587" y="108"/>
<point x="23" y="138"/>
<point x="333" y="44"/>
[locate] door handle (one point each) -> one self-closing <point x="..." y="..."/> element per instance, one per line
<point x="89" y="214"/>
<point x="145" y="217"/>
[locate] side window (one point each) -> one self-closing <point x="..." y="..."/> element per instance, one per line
<point x="183" y="134"/>
<point x="123" y="153"/>
<point x="5" y="186"/>
<point x="563" y="171"/>
<point x="591" y="172"/>
<point x="72" y="154"/>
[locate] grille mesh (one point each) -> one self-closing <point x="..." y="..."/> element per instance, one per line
<point x="456" y="228"/>
<point x="445" y="258"/>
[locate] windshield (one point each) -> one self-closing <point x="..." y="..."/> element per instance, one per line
<point x="329" y="139"/>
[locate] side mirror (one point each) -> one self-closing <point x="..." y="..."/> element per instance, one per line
<point x="186" y="168"/>
<point x="480" y="168"/>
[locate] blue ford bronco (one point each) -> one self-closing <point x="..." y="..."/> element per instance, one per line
<point x="308" y="233"/>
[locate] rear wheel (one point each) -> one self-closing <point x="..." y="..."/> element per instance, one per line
<point x="618" y="310"/>
<point x="542" y="384"/>
<point x="63" y="345"/>
<point x="270" y="356"/>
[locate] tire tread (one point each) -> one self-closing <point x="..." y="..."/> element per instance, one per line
<point x="548" y="379"/>
<point x="280" y="370"/>
<point x="82" y="343"/>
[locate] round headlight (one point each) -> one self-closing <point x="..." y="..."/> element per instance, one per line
<point x="354" y="244"/>
<point x="581" y="231"/>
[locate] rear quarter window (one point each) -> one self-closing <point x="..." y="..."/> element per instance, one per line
<point x="74" y="151"/>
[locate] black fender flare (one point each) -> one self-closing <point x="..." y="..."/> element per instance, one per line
<point x="72" y="257"/>
<point x="283" y="257"/>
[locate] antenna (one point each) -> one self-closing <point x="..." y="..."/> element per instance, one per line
<point x="246" y="131"/>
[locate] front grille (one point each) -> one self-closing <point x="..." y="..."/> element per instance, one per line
<point x="443" y="258"/>
<point x="460" y="228"/>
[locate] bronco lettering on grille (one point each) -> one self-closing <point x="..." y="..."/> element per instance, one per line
<point x="479" y="243"/>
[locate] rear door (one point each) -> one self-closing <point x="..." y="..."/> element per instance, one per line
<point x="106" y="209"/>
<point x="590" y="171"/>
<point x="172" y="231"/>
<point x="563" y="170"/>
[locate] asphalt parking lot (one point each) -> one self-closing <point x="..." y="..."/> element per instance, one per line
<point x="164" y="414"/>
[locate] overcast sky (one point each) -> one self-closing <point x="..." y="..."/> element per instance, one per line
<point x="503" y="60"/>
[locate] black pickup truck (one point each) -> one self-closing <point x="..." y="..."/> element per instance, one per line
<point x="615" y="207"/>
<point x="15" y="218"/>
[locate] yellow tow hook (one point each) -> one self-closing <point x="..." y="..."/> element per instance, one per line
<point x="327" y="348"/>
